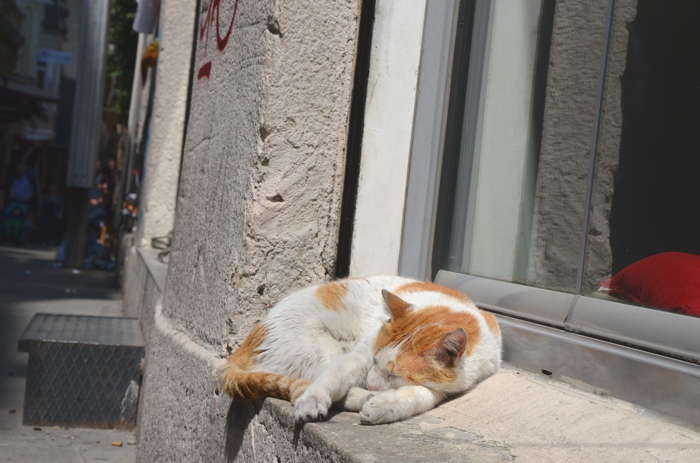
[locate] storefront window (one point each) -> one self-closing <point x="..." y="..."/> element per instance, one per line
<point x="568" y="200"/>
<point x="578" y="151"/>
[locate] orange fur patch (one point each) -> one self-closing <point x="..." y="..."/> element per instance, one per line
<point x="242" y="384"/>
<point x="331" y="295"/>
<point x="383" y="338"/>
<point x="420" y="286"/>
<point x="421" y="333"/>
<point x="420" y="370"/>
<point x="247" y="386"/>
<point x="491" y="322"/>
<point x="244" y="357"/>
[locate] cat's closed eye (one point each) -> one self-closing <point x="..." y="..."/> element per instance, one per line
<point x="387" y="370"/>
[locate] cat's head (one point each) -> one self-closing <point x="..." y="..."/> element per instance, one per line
<point x="418" y="347"/>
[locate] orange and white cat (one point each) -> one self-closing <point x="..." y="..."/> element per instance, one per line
<point x="387" y="347"/>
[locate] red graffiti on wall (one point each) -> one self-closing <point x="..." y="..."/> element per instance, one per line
<point x="204" y="71"/>
<point x="204" y="29"/>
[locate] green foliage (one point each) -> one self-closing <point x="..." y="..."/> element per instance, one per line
<point x="121" y="54"/>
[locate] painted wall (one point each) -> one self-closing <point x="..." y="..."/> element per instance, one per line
<point x="386" y="142"/>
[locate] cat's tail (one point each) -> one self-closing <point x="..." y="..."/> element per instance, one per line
<point x="251" y="385"/>
<point x="245" y="385"/>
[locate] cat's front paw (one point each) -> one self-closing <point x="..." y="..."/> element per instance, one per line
<point x="382" y="408"/>
<point x="355" y="399"/>
<point x="311" y="406"/>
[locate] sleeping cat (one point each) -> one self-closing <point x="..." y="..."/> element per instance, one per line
<point x="387" y="347"/>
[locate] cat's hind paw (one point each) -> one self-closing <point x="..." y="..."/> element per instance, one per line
<point x="311" y="407"/>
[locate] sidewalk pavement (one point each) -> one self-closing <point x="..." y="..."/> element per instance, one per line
<point x="29" y="284"/>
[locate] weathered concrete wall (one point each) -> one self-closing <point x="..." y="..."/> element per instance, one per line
<point x="181" y="415"/>
<point x="162" y="166"/>
<point x="262" y="175"/>
<point x="575" y="57"/>
<point x="258" y="205"/>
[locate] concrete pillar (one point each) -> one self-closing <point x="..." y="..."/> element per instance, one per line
<point x="162" y="164"/>
<point x="258" y="205"/>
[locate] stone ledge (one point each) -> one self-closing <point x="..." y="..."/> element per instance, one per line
<point x="342" y="438"/>
<point x="512" y="415"/>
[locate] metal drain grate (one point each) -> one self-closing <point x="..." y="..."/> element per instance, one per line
<point x="82" y="371"/>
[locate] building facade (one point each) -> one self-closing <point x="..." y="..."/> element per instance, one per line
<point x="525" y="154"/>
<point x="38" y="67"/>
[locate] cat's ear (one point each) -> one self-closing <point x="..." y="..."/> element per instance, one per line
<point x="452" y="347"/>
<point x="397" y="305"/>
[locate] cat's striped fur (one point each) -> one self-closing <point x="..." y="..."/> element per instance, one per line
<point x="387" y="347"/>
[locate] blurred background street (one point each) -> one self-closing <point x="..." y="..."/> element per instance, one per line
<point x="71" y="169"/>
<point x="30" y="284"/>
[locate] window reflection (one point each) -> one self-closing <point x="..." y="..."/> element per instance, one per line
<point x="520" y="180"/>
<point x="497" y="172"/>
<point x="654" y="192"/>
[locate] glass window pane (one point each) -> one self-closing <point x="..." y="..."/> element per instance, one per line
<point x="645" y="216"/>
<point x="520" y="182"/>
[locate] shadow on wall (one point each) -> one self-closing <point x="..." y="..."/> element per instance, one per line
<point x="244" y="440"/>
<point x="240" y="414"/>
